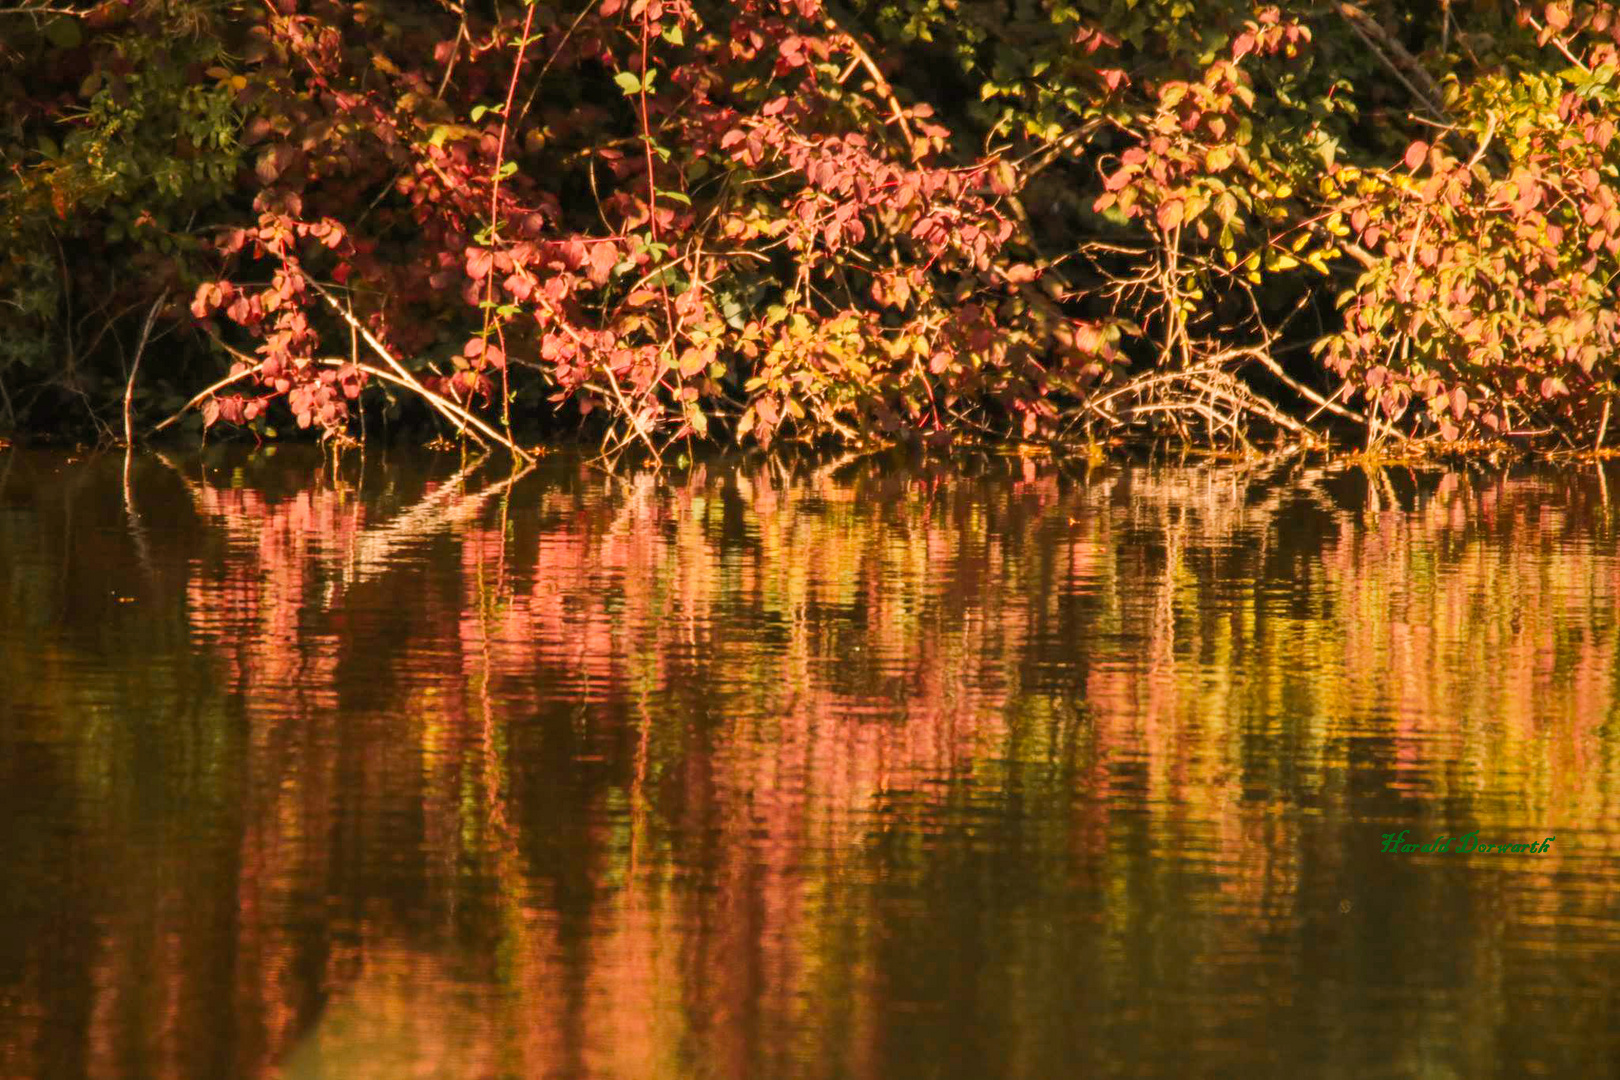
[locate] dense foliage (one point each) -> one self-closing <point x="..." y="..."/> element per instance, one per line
<point x="750" y="219"/>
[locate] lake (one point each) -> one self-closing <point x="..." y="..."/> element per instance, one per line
<point x="868" y="768"/>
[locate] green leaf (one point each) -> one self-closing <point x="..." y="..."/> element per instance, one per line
<point x="444" y="132"/>
<point x="628" y="82"/>
<point x="64" y="33"/>
<point x="677" y="196"/>
<point x="674" y="36"/>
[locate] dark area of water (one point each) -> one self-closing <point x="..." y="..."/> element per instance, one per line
<point x="1015" y="770"/>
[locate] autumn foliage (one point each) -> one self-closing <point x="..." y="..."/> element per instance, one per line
<point x="777" y="217"/>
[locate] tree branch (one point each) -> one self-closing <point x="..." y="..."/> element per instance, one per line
<point x="442" y="404"/>
<point x="1376" y="38"/>
<point x="135" y="367"/>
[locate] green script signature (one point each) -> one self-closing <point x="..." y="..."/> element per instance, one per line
<point x="1396" y="842"/>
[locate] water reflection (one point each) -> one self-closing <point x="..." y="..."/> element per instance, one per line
<point x="825" y="770"/>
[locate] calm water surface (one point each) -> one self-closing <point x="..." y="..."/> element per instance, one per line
<point x="832" y="770"/>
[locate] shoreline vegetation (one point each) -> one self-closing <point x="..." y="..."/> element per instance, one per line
<point x="1221" y="226"/>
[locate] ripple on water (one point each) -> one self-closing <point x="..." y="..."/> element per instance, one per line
<point x="854" y="771"/>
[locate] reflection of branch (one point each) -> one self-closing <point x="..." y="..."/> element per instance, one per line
<point x="137" y="530"/>
<point x="374" y="549"/>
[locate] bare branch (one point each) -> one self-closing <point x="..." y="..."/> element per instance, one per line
<point x="135" y="367"/>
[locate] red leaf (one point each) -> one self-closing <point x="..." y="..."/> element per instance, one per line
<point x="603" y="259"/>
<point x="1170" y="214"/>
<point x="206" y="300"/>
<point x="478" y="262"/>
<point x="1416" y="153"/>
<point x="1243" y="45"/>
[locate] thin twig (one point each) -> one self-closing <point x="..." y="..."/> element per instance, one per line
<point x="135" y="367"/>
<point x="1367" y="29"/>
<point x="878" y="78"/>
<point x="210" y="391"/>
